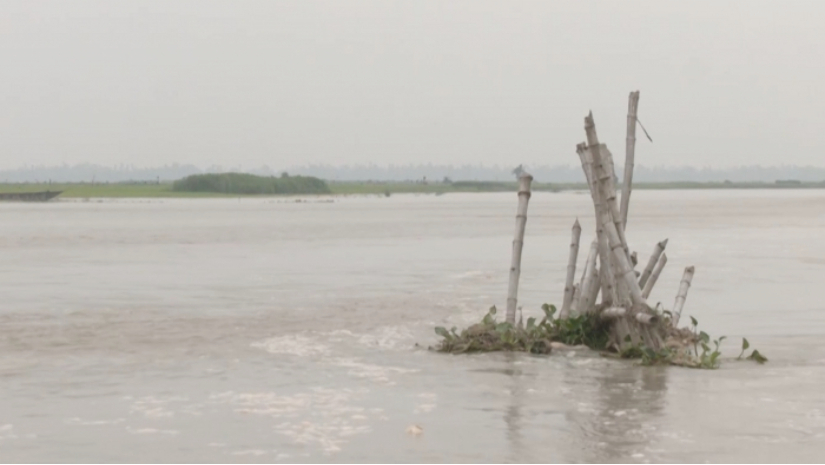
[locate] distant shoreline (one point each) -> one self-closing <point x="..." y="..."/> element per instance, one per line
<point x="164" y="189"/>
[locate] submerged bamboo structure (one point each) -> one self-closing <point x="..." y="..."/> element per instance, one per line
<point x="609" y="269"/>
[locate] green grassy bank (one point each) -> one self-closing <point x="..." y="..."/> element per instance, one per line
<point x="167" y="190"/>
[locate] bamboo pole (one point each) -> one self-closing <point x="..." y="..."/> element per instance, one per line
<point x="687" y="278"/>
<point x="657" y="252"/>
<point x="646" y="318"/>
<point x="590" y="284"/>
<point x="612" y="313"/>
<point x="617" y="246"/>
<point x="603" y="178"/>
<point x="606" y="278"/>
<point x="654" y="276"/>
<point x="620" y="292"/>
<point x="581" y="304"/>
<point x="571" y="270"/>
<point x="577" y="291"/>
<point x="518" y="244"/>
<point x="630" y="154"/>
<point x="592" y="290"/>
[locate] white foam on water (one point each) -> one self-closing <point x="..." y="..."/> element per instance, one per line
<point x="385" y="338"/>
<point x="253" y="452"/>
<point x="81" y="422"/>
<point x="7" y="432"/>
<point x="424" y="408"/>
<point x="169" y="432"/>
<point x="467" y="274"/>
<point x="298" y="345"/>
<point x="321" y="418"/>
<point x="375" y="373"/>
<point x="154" y="407"/>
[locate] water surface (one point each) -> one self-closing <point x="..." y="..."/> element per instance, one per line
<point x="270" y="330"/>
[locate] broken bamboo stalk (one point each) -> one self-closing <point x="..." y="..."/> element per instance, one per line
<point x="617" y="246"/>
<point x="687" y="277"/>
<point x="518" y="244"/>
<point x="571" y="270"/>
<point x="646" y="318"/>
<point x="654" y="276"/>
<point x="657" y="252"/>
<point x="630" y="154"/>
<point x="613" y="313"/>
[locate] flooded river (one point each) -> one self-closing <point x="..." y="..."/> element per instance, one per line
<point x="270" y="330"/>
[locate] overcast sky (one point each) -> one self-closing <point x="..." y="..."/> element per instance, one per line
<point x="291" y="83"/>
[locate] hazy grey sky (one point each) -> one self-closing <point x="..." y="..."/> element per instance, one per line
<point x="287" y="83"/>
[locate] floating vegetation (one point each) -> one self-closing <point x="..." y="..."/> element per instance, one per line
<point x="686" y="347"/>
<point x="533" y="337"/>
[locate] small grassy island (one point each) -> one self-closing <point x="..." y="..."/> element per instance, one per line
<point x="250" y="184"/>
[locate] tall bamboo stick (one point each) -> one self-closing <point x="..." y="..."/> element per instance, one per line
<point x="518" y="244"/>
<point x="687" y="277"/>
<point x="657" y="252"/>
<point x="654" y="276"/>
<point x="603" y="177"/>
<point x="630" y="154"/>
<point x="607" y="280"/>
<point x="571" y="270"/>
<point x="620" y="292"/>
<point x="617" y="246"/>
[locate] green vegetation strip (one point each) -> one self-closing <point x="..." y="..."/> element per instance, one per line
<point x="236" y="184"/>
<point x="250" y="184"/>
<point x="692" y="350"/>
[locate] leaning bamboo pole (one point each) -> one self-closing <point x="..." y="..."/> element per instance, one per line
<point x="518" y="244"/>
<point x="687" y="278"/>
<point x="617" y="246"/>
<point x="654" y="276"/>
<point x="630" y="154"/>
<point x="657" y="252"/>
<point x="576" y="233"/>
<point x="603" y="177"/>
<point x="607" y="280"/>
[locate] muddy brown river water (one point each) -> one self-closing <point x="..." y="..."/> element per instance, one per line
<point x="270" y="330"/>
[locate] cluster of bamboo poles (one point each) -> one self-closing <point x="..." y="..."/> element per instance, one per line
<point x="610" y="268"/>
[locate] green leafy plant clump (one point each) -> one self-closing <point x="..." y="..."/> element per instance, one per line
<point x="533" y="337"/>
<point x="685" y="347"/>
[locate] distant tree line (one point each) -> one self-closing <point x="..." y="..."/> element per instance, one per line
<point x="541" y="173"/>
<point x="250" y="184"/>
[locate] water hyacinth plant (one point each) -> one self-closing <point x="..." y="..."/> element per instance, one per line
<point x="689" y="348"/>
